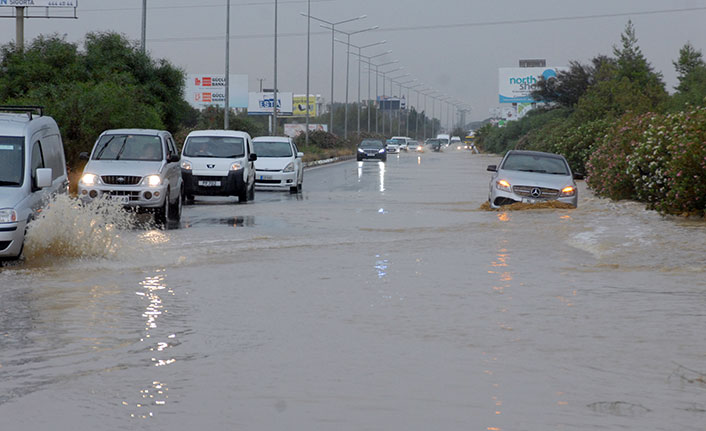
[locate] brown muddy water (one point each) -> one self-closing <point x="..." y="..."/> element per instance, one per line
<point x="380" y="298"/>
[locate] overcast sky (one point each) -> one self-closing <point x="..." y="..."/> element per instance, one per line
<point x="453" y="46"/>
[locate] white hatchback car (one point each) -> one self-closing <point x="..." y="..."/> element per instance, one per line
<point x="279" y="164"/>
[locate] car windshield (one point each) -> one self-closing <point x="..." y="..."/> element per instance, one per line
<point x="223" y="147"/>
<point x="535" y="163"/>
<point x="11" y="161"/>
<point x="129" y="147"/>
<point x="398" y="141"/>
<point x="370" y="144"/>
<point x="272" y="149"/>
<point x="434" y="142"/>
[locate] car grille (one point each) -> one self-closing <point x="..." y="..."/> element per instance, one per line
<point x="4" y="245"/>
<point x="526" y="191"/>
<point x="133" y="195"/>
<point x="268" y="181"/>
<point x="268" y="170"/>
<point x="121" y="180"/>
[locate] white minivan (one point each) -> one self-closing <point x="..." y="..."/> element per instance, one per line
<point x="218" y="163"/>
<point x="32" y="169"/>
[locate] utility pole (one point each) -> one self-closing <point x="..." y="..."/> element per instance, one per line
<point x="143" y="40"/>
<point x="226" y="103"/>
<point x="308" y="60"/>
<point x="20" y="28"/>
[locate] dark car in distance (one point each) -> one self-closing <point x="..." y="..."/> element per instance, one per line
<point x="372" y="149"/>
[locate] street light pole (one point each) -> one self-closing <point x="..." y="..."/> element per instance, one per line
<point x="274" y="108"/>
<point x="333" y="34"/>
<point x="360" y="59"/>
<point x="348" y="57"/>
<point x="308" y="58"/>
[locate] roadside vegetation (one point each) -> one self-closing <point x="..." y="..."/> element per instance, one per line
<point x="614" y="121"/>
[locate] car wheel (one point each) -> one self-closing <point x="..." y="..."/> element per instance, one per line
<point x="163" y="215"/>
<point x="243" y="194"/>
<point x="175" y="211"/>
<point x="189" y="199"/>
<point x="360" y="159"/>
<point x="251" y="194"/>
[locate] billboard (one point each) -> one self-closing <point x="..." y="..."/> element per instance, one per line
<point x="299" y="105"/>
<point x="515" y="84"/>
<point x="391" y="103"/>
<point x="204" y="90"/>
<point x="39" y="3"/>
<point x="263" y="103"/>
<point x="292" y="130"/>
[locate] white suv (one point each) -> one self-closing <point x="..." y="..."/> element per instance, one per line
<point x="218" y="163"/>
<point x="138" y="168"/>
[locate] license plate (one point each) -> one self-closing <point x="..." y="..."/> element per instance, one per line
<point x="121" y="199"/>
<point x="209" y="183"/>
<point x="265" y="177"/>
<point x="529" y="201"/>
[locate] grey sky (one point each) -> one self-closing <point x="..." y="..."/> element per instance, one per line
<point x="461" y="61"/>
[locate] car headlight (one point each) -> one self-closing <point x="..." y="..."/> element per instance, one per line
<point x="152" y="180"/>
<point x="289" y="167"/>
<point x="89" y="180"/>
<point x="503" y="185"/>
<point x="8" y="215"/>
<point x="360" y="150"/>
<point x="186" y="165"/>
<point x="382" y="150"/>
<point x="568" y="191"/>
<point x="235" y="166"/>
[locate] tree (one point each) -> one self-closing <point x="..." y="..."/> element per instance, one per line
<point x="689" y="60"/>
<point x="630" y="61"/>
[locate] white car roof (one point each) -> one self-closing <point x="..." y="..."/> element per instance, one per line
<point x="134" y="132"/>
<point x="17" y="124"/>
<point x="232" y="133"/>
<point x="271" y="139"/>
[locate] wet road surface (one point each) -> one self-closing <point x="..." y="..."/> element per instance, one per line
<point x="380" y="298"/>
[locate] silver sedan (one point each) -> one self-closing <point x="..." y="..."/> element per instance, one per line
<point x="532" y="177"/>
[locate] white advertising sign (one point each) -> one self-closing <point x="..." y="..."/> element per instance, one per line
<point x="39" y="3"/>
<point x="292" y="130"/>
<point x="515" y="84"/>
<point x="204" y="90"/>
<point x="263" y="103"/>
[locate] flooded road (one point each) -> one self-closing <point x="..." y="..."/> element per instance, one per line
<point x="381" y="298"/>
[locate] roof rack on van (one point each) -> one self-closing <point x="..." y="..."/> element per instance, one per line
<point x="29" y="109"/>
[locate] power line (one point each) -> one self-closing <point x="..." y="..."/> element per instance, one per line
<point x="447" y="26"/>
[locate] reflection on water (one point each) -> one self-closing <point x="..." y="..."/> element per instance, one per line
<point x="366" y="166"/>
<point x="381" y="266"/>
<point x="238" y="221"/>
<point x="154" y="290"/>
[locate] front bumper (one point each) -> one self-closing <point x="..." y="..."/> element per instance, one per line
<point x="499" y="198"/>
<point x="206" y="185"/>
<point x="379" y="156"/>
<point x="11" y="239"/>
<point x="266" y="180"/>
<point x="129" y="196"/>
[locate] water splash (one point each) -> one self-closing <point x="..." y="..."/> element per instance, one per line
<point x="68" y="228"/>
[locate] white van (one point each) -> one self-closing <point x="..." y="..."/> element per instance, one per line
<point x="444" y="138"/>
<point x="218" y="163"/>
<point x="32" y="169"/>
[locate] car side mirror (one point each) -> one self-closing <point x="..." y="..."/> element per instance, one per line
<point x="44" y="176"/>
<point x="300" y="155"/>
<point x="252" y="157"/>
<point x="578" y="176"/>
<point x="83" y="155"/>
<point x="173" y="158"/>
<point x="492" y="168"/>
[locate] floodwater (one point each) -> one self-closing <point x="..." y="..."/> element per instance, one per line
<point x="381" y="298"/>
